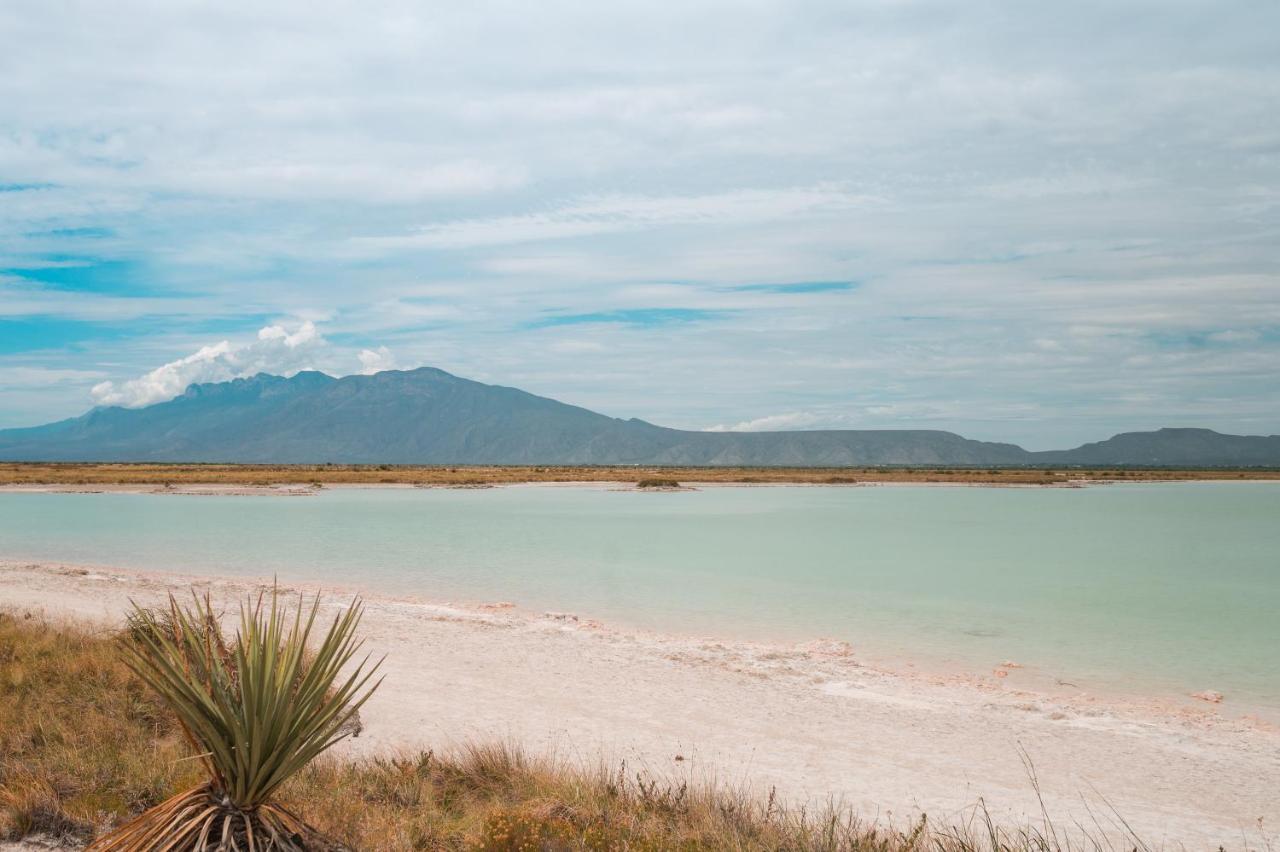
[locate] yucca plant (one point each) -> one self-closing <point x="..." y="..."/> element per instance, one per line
<point x="256" y="710"/>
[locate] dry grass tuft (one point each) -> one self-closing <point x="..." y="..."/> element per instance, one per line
<point x="82" y="740"/>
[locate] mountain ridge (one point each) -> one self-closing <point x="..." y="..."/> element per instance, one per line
<point x="429" y="416"/>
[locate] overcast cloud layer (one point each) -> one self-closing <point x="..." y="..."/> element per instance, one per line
<point x="1018" y="222"/>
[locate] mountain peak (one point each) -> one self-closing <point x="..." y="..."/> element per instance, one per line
<point x="430" y="373"/>
<point x="258" y="383"/>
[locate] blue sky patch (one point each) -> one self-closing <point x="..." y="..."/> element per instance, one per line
<point x="32" y="334"/>
<point x="642" y="317"/>
<point x="24" y="187"/>
<point x="71" y="233"/>
<point x="81" y="275"/>
<point x="797" y="287"/>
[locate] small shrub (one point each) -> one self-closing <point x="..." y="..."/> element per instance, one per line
<point x="657" y="483"/>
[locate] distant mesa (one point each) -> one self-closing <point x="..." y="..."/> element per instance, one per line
<point x="428" y="416"/>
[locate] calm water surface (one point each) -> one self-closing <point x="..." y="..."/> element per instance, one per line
<point x="1165" y="587"/>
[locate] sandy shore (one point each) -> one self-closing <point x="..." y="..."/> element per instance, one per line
<point x="296" y="489"/>
<point x="214" y="489"/>
<point x="811" y="720"/>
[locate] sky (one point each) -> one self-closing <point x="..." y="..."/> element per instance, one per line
<point x="1032" y="222"/>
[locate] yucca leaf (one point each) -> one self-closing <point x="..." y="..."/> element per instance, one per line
<point x="259" y="710"/>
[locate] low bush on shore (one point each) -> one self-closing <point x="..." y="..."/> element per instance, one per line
<point x="657" y="483"/>
<point x="85" y="746"/>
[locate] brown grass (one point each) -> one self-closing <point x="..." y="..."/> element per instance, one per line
<point x="82" y="740"/>
<point x="83" y="746"/>
<point x="160" y="475"/>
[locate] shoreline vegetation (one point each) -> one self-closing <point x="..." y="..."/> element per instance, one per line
<point x="85" y="747"/>
<point x="499" y="730"/>
<point x="161" y="475"/>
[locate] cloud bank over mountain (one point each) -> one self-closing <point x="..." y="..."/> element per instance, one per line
<point x="275" y="350"/>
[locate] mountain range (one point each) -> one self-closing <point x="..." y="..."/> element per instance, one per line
<point x="428" y="416"/>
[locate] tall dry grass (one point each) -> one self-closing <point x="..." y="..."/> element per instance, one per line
<point x="83" y="742"/>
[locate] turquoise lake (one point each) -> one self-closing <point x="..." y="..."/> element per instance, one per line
<point x="1163" y="588"/>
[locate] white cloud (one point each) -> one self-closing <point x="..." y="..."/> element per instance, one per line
<point x="614" y="214"/>
<point x="573" y="346"/>
<point x="276" y="350"/>
<point x="376" y="360"/>
<point x="785" y="422"/>
<point x="341" y="179"/>
<point x="39" y="377"/>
